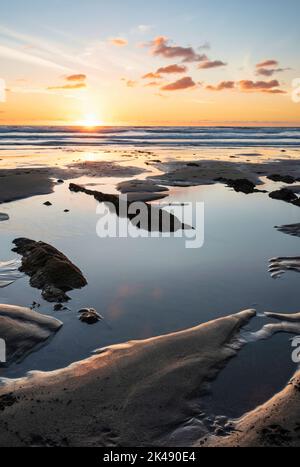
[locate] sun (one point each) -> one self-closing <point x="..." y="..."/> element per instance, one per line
<point x="90" y="121"/>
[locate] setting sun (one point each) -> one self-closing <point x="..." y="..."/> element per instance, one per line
<point x="90" y="121"/>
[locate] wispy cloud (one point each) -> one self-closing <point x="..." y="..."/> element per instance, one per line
<point x="211" y="64"/>
<point x="160" y="47"/>
<point x="271" y="87"/>
<point x="144" y="28"/>
<point x="269" y="68"/>
<point x="166" y="70"/>
<point x="79" y="77"/>
<point x="45" y="53"/>
<point x="18" y="55"/>
<point x="118" y="41"/>
<point x="183" y="83"/>
<point x="67" y="87"/>
<point x="224" y="85"/>
<point x="267" y="63"/>
<point x="172" y="69"/>
<point x="73" y="82"/>
<point x="129" y="82"/>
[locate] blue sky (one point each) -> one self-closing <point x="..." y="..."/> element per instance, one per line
<point x="240" y="34"/>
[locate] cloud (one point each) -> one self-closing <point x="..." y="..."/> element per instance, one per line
<point x="172" y="69"/>
<point x="270" y="87"/>
<point x="267" y="63"/>
<point x="167" y="70"/>
<point x="211" y="64"/>
<point x="14" y="54"/>
<point x="204" y="46"/>
<point x="183" y="83"/>
<point x="224" y="85"/>
<point x="77" y="81"/>
<point x="77" y="78"/>
<point x="151" y="76"/>
<point x="143" y="28"/>
<point x="129" y="82"/>
<point x="160" y="47"/>
<point x="261" y="86"/>
<point x="270" y="71"/>
<point x="118" y="41"/>
<point x="152" y="83"/>
<point x="67" y="86"/>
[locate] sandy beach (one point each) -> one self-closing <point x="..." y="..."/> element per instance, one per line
<point x="159" y="384"/>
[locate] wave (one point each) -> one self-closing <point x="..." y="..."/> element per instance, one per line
<point x="53" y="136"/>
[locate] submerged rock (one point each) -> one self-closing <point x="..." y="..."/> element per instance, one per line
<point x="240" y="185"/>
<point x="285" y="194"/>
<point x="292" y="229"/>
<point x="23" y="330"/>
<point x="49" y="269"/>
<point x="89" y="316"/>
<point x="4" y="216"/>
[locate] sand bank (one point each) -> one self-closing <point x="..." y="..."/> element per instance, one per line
<point x="24" y="330"/>
<point x="274" y="424"/>
<point x="136" y="394"/>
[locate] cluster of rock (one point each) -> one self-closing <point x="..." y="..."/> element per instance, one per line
<point x="49" y="270"/>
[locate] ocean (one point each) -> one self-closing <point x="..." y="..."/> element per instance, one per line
<point x="219" y="137"/>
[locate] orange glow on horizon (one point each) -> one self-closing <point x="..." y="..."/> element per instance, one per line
<point x="90" y="121"/>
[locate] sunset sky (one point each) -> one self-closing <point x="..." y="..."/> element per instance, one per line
<point x="149" y="63"/>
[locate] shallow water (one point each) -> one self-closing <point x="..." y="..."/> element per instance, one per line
<point x="149" y="287"/>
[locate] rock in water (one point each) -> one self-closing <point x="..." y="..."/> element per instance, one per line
<point x="4" y="216"/>
<point x="282" y="178"/>
<point x="90" y="316"/>
<point x="285" y="194"/>
<point x="49" y="269"/>
<point x="240" y="185"/>
<point x="23" y="330"/>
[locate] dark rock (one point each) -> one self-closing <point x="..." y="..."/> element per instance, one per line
<point x="4" y="216"/>
<point x="192" y="164"/>
<point x="48" y="269"/>
<point x="240" y="185"/>
<point x="47" y="203"/>
<point x="67" y="210"/>
<point x="282" y="178"/>
<point x="155" y="220"/>
<point x="284" y="194"/>
<point x="60" y="181"/>
<point x="89" y="316"/>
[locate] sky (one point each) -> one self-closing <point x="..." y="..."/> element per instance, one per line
<point x="149" y="63"/>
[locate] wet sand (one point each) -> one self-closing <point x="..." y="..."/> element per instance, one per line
<point x="143" y="393"/>
<point x="136" y="394"/>
<point x="274" y="424"/>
